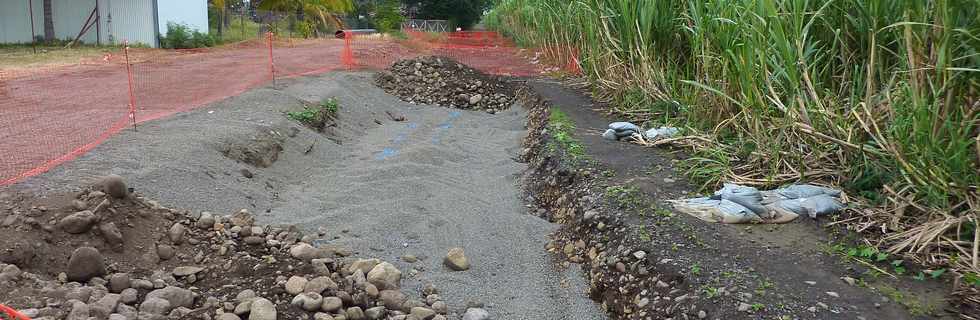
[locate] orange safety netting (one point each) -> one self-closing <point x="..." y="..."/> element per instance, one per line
<point x="54" y="114"/>
<point x="11" y="313"/>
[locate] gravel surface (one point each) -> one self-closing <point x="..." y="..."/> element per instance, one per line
<point x="441" y="179"/>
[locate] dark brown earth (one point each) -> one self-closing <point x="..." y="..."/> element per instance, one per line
<point x="144" y="226"/>
<point x="691" y="268"/>
<point x="260" y="150"/>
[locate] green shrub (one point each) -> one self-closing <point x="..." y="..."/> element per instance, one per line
<point x="388" y="17"/>
<point x="180" y="36"/>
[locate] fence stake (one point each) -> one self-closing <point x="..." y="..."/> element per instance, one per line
<point x="348" y="56"/>
<point x="129" y="74"/>
<point x="272" y="65"/>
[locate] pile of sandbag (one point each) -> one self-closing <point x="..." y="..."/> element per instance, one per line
<point x="740" y="204"/>
<point x="625" y="130"/>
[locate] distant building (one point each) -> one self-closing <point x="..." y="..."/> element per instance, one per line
<point x="108" y="21"/>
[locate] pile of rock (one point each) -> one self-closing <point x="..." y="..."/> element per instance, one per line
<point x="443" y="81"/>
<point x="208" y="266"/>
<point x="362" y="289"/>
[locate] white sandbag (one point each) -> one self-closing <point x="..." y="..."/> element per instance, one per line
<point x="815" y="206"/>
<point x="610" y="134"/>
<point x="748" y="197"/>
<point x="820" y="205"/>
<point x="798" y="191"/>
<point x="661" y="133"/>
<point x="626" y="133"/>
<point x="712" y="210"/>
<point x="624" y="126"/>
<point x="779" y="214"/>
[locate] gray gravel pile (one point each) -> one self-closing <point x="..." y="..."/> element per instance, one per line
<point x="443" y="81"/>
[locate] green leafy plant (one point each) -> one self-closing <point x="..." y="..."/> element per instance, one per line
<point x="919" y="276"/>
<point x="317" y="117"/>
<point x="644" y="234"/>
<point x="626" y="197"/>
<point x="561" y="127"/>
<point x="898" y="267"/>
<point x="972" y="279"/>
<point x="710" y="292"/>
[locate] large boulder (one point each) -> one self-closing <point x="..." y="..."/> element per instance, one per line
<point x="115" y="186"/>
<point x="176" y="233"/>
<point x="320" y="284"/>
<point x="476" y="314"/>
<point x="295" y="285"/>
<point x="262" y="309"/>
<point x="242" y="219"/>
<point x="112" y="235"/>
<point x="155" y="306"/>
<point x="85" y="263"/>
<point x="392" y="299"/>
<point x="206" y="221"/>
<point x="365" y="265"/>
<point x="177" y="297"/>
<point x="304" y="252"/>
<point x="385" y="276"/>
<point x="79" y="222"/>
<point x="456" y="260"/>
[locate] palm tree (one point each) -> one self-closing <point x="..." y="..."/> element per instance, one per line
<point x="322" y="10"/>
<point x="48" y="21"/>
<point x="220" y="9"/>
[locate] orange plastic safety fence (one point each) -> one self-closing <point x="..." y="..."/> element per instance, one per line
<point x="11" y="313"/>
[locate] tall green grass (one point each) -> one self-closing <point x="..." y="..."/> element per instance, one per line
<point x="874" y="95"/>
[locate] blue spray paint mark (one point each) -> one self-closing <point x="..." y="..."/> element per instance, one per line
<point x="443" y="127"/>
<point x="391" y="151"/>
<point x="386" y="153"/>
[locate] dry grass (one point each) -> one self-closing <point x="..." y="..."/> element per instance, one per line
<point x="879" y="98"/>
<point x="23" y="57"/>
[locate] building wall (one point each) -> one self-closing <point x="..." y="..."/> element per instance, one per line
<point x="131" y="20"/>
<point x="68" y="16"/>
<point x="193" y="13"/>
<point x="15" y="24"/>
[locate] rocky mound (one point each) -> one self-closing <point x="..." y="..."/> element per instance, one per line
<point x="445" y="82"/>
<point x="107" y="253"/>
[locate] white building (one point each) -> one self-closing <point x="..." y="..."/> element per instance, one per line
<point x="110" y="21"/>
